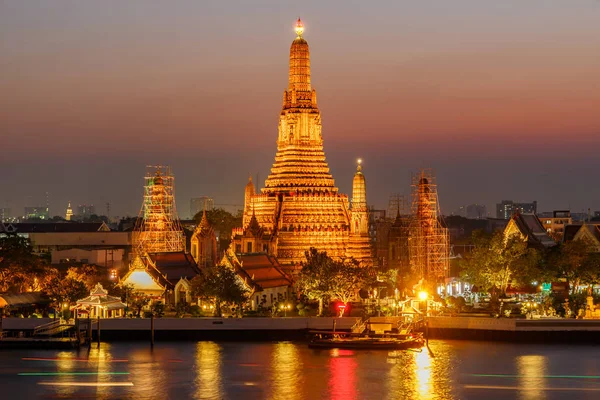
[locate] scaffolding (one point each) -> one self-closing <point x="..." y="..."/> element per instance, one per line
<point x="428" y="238"/>
<point x="158" y="228"/>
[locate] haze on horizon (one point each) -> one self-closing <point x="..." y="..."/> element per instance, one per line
<point x="502" y="99"/>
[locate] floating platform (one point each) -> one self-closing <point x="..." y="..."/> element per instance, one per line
<point x="367" y="343"/>
<point x="38" y="343"/>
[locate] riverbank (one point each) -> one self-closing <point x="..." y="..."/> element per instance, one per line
<point x="297" y="328"/>
<point x="174" y="329"/>
<point x="514" y="330"/>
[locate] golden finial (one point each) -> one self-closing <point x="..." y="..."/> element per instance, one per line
<point x="359" y="164"/>
<point x="299" y="28"/>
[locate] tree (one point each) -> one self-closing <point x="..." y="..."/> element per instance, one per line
<point x="138" y="300"/>
<point x="61" y="289"/>
<point x="222" y="285"/>
<point x="497" y="262"/>
<point x="323" y="279"/>
<point x="570" y="261"/>
<point x="591" y="270"/>
<point x="19" y="267"/>
<point x="88" y="274"/>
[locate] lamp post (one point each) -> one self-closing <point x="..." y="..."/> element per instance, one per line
<point x="285" y="308"/>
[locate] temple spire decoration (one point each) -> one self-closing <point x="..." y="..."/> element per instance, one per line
<point x="299" y="206"/>
<point x="300" y="162"/>
<point x="359" y="188"/>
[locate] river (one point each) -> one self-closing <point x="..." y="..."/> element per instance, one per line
<point x="291" y="371"/>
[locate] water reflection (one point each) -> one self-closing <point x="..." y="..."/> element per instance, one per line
<point x="423" y="374"/>
<point x="420" y="375"/>
<point x="342" y="375"/>
<point x="148" y="376"/>
<point x="65" y="364"/>
<point x="208" y="368"/>
<point x="532" y="372"/>
<point x="286" y="369"/>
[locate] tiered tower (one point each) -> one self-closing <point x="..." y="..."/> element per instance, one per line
<point x="300" y="206"/>
<point x="157" y="228"/>
<point x="428" y="239"/>
<point x="69" y="213"/>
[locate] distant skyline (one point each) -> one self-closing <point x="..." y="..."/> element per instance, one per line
<point x="501" y="99"/>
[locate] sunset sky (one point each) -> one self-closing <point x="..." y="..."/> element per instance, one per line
<point x="501" y="98"/>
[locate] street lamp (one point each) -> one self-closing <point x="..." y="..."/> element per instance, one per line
<point x="285" y="308"/>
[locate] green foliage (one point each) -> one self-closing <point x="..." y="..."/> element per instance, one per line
<point x="195" y="310"/>
<point x="324" y="279"/>
<point x="137" y="301"/>
<point x="496" y="262"/>
<point x="221" y="284"/>
<point x="223" y="222"/>
<point x="20" y="269"/>
<point x="63" y="289"/>
<point x="158" y="309"/>
<point x="574" y="262"/>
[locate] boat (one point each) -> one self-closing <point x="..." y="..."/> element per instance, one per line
<point x="376" y="333"/>
<point x="367" y="343"/>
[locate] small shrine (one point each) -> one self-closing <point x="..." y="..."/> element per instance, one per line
<point x="100" y="304"/>
<point x="592" y="311"/>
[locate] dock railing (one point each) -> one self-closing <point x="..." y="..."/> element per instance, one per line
<point x="52" y="328"/>
<point x="359" y="326"/>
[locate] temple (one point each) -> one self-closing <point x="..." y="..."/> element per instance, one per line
<point x="299" y="206"/>
<point x="161" y="268"/>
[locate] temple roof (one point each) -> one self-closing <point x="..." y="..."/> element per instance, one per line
<point x="99" y="297"/>
<point x="530" y="227"/>
<point x="259" y="270"/>
<point x="571" y="231"/>
<point x="175" y="265"/>
<point x="264" y="270"/>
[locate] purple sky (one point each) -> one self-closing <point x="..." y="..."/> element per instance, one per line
<point x="502" y="99"/>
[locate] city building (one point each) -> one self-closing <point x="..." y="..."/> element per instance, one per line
<point x="476" y="211"/>
<point x="555" y="223"/>
<point x="507" y="208"/>
<point x="300" y="206"/>
<point x="88" y="243"/>
<point x="84" y="211"/>
<point x="199" y="204"/>
<point x="69" y="213"/>
<point x="5" y="215"/>
<point x="36" y="212"/>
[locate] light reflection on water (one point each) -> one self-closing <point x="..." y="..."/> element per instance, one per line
<point x="291" y="371"/>
<point x="532" y="372"/>
<point x="287" y="374"/>
<point x="208" y="369"/>
<point x="342" y="375"/>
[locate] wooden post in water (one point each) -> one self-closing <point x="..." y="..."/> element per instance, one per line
<point x="89" y="330"/>
<point x="77" y="333"/>
<point x="334" y="325"/>
<point x="98" y="331"/>
<point x="152" y="329"/>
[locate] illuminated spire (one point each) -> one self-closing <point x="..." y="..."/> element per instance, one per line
<point x="204" y="221"/>
<point x="69" y="214"/>
<point x="299" y="79"/>
<point x="359" y="188"/>
<point x="299" y="28"/>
